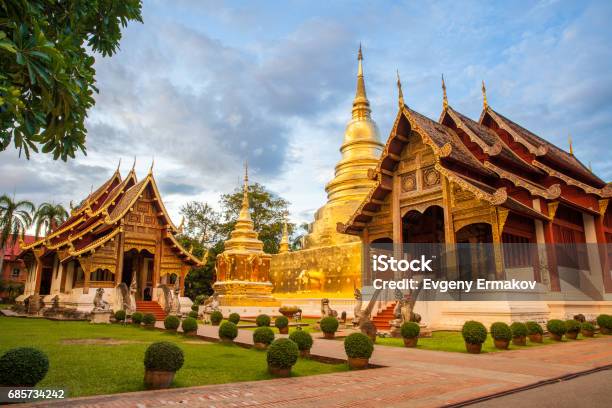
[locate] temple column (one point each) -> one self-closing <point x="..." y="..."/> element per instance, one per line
<point x="119" y="263"/>
<point x="450" y="254"/>
<point x="549" y="238"/>
<point x="600" y="230"/>
<point x="38" y="275"/>
<point x="595" y="261"/>
<point x="499" y="217"/>
<point x="86" y="272"/>
<point x="157" y="258"/>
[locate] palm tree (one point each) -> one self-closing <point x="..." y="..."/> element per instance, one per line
<point x="49" y="217"/>
<point x="15" y="219"/>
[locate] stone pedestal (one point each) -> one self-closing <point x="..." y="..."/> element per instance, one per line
<point x="100" y="316"/>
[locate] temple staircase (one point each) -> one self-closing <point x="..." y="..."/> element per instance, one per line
<point x="150" y="306"/>
<point x="382" y="318"/>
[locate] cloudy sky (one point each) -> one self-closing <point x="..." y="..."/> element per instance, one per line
<point x="203" y="85"/>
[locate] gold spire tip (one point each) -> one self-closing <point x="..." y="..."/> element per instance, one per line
<point x="485" y="104"/>
<point x="571" y="147"/>
<point x="399" y="90"/>
<point x="134" y="164"/>
<point x="118" y="166"/>
<point x="444" y="97"/>
<point x="359" y="54"/>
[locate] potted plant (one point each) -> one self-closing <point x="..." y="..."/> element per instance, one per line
<point x="519" y="333"/>
<point x="171" y="323"/>
<point x="303" y="339"/>
<point x="604" y="322"/>
<point x="262" y="337"/>
<point x="534" y="331"/>
<point x="228" y="332"/>
<point x="474" y="334"/>
<point x="148" y="319"/>
<point x="410" y="333"/>
<point x="23" y="367"/>
<point x="587" y="329"/>
<point x="556" y="328"/>
<point x="502" y="334"/>
<point x="216" y="317"/>
<point x="572" y="328"/>
<point x="162" y="360"/>
<point x="282" y="355"/>
<point x="120" y="315"/>
<point x="189" y="326"/>
<point x="282" y="324"/>
<point x="234" y="318"/>
<point x="137" y="318"/>
<point x="288" y="311"/>
<point x="262" y="320"/>
<point x="358" y="348"/>
<point x="193" y="314"/>
<point x="329" y="325"/>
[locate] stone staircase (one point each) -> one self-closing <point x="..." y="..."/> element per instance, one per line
<point x="382" y="318"/>
<point x="150" y="306"/>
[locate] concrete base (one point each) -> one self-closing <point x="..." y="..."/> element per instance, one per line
<point x="249" y="311"/>
<point x="101" y="316"/>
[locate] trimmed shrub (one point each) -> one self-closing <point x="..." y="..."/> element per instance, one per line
<point x="534" y="328"/>
<point x="604" y="321"/>
<point x="587" y="326"/>
<point x="262" y="320"/>
<point x="263" y="335"/>
<point x="518" y="329"/>
<point x="216" y="317"/>
<point x="200" y="299"/>
<point x="148" y="319"/>
<point x="556" y="326"/>
<point x="474" y="332"/>
<point x="302" y="338"/>
<point x="164" y="356"/>
<point x="282" y="353"/>
<point x="501" y="331"/>
<point x="234" y="318"/>
<point x="23" y="367"/>
<point x="195" y="308"/>
<point x="193" y="314"/>
<point x="137" y="317"/>
<point x="329" y="324"/>
<point x="281" y="322"/>
<point x="120" y="315"/>
<point x="410" y="330"/>
<point x="572" y="326"/>
<point x="228" y="330"/>
<point x="189" y="324"/>
<point x="172" y="322"/>
<point x="358" y="345"/>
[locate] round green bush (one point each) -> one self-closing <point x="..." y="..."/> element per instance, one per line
<point x="164" y="356"/>
<point x="148" y="319"/>
<point x="572" y="326"/>
<point x="263" y="334"/>
<point x="281" y="322"/>
<point x="172" y="322"/>
<point x="518" y="329"/>
<point x="137" y="317"/>
<point x="587" y="326"/>
<point x="474" y="332"/>
<point x="605" y="321"/>
<point x="120" y="315"/>
<point x="282" y="353"/>
<point x="262" y="320"/>
<point x="193" y="314"/>
<point x="195" y="308"/>
<point x="358" y="345"/>
<point x="200" y="299"/>
<point x="228" y="330"/>
<point x="216" y="317"/>
<point x="189" y="324"/>
<point x="410" y="330"/>
<point x="501" y="331"/>
<point x="23" y="367"/>
<point x="329" y="324"/>
<point x="556" y="326"/>
<point x="302" y="338"/>
<point x="534" y="328"/>
<point x="234" y="318"/>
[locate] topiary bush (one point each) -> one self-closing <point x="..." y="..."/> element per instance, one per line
<point x="164" y="356"/>
<point x="200" y="299"/>
<point x="534" y="328"/>
<point x="302" y="338"/>
<point x="193" y="314"/>
<point x="172" y="322"/>
<point x="329" y="324"/>
<point x="23" y="367"/>
<point x="263" y="335"/>
<point x="234" y="318"/>
<point x="410" y="330"/>
<point x="148" y="319"/>
<point x="358" y="345"/>
<point x="587" y="326"/>
<point x="120" y="315"/>
<point x="556" y="326"/>
<point x="262" y="320"/>
<point x="195" y="307"/>
<point x="281" y="322"/>
<point x="189" y="325"/>
<point x="518" y="329"/>
<point x="572" y="326"/>
<point x="474" y="332"/>
<point x="501" y="331"/>
<point x="228" y="331"/>
<point x="604" y="321"/>
<point x="137" y="317"/>
<point x="282" y="353"/>
<point x="216" y="317"/>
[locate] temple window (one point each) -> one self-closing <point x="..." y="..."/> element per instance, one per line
<point x="518" y="253"/>
<point x="101" y="275"/>
<point x="568" y="234"/>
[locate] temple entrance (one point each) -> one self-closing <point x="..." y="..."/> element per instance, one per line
<point x="475" y="250"/>
<point x="423" y="234"/>
<point x="45" y="280"/>
<point x="139" y="264"/>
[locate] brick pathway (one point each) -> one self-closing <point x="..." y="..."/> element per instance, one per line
<point x="415" y="378"/>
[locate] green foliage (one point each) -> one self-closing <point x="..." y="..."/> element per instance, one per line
<point x="193" y="314"/>
<point x="282" y="353"/>
<point x="228" y="330"/>
<point x="587" y="326"/>
<point x="281" y="322"/>
<point x="48" y="217"/>
<point x="137" y="317"/>
<point x="518" y="329"/>
<point x="572" y="326"/>
<point x="264" y="335"/>
<point x="534" y="328"/>
<point x="216" y="317"/>
<point x="329" y="324"/>
<point x="47" y="74"/>
<point x="189" y="325"/>
<point x="15" y="217"/>
<point x="234" y="318"/>
<point x="605" y="321"/>
<point x="23" y="366"/>
<point x="164" y="356"/>
<point x="410" y="330"/>
<point x="172" y="322"/>
<point x="148" y="319"/>
<point x="199" y="299"/>
<point x="500" y="331"/>
<point x="556" y="326"/>
<point x="195" y="308"/>
<point x="120" y="315"/>
<point x="262" y="320"/>
<point x="302" y="338"/>
<point x="474" y="332"/>
<point x="358" y="345"/>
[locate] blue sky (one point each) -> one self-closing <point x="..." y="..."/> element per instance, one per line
<point x="203" y="85"/>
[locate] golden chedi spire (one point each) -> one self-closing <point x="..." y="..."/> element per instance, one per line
<point x="284" y="243"/>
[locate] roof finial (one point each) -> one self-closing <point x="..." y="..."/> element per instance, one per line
<point x="152" y="164"/>
<point x="134" y="164"/>
<point x="284" y="243"/>
<point x="359" y="55"/>
<point x="399" y="90"/>
<point x="444" y="98"/>
<point x="571" y="148"/>
<point x="590" y="167"/>
<point x="118" y="166"/>
<point x="485" y="104"/>
<point x="244" y="211"/>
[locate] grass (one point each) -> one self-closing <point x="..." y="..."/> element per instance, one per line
<point x="90" y="369"/>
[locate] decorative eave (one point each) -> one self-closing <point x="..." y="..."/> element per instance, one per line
<point x="159" y="201"/>
<point x="187" y="254"/>
<point x="72" y="253"/>
<point x="490" y="150"/>
<point x="498" y="197"/>
<point x="95" y="196"/>
<point x="533" y="149"/>
<point x="601" y="192"/>
<point x="550" y="193"/>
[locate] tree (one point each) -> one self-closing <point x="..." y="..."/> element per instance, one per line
<point x="47" y="77"/>
<point x="202" y="222"/>
<point x="15" y="219"/>
<point x="48" y="217"/>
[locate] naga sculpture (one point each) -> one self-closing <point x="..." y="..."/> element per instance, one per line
<point x="176" y="303"/>
<point x="357" y="310"/>
<point x="100" y="304"/>
<point x="210" y="305"/>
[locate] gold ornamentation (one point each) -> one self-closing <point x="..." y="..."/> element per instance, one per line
<point x="431" y="177"/>
<point x="552" y="209"/>
<point x="408" y="182"/>
<point x="603" y="206"/>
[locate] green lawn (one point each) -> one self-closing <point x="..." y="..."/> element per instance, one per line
<point x="88" y="369"/>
